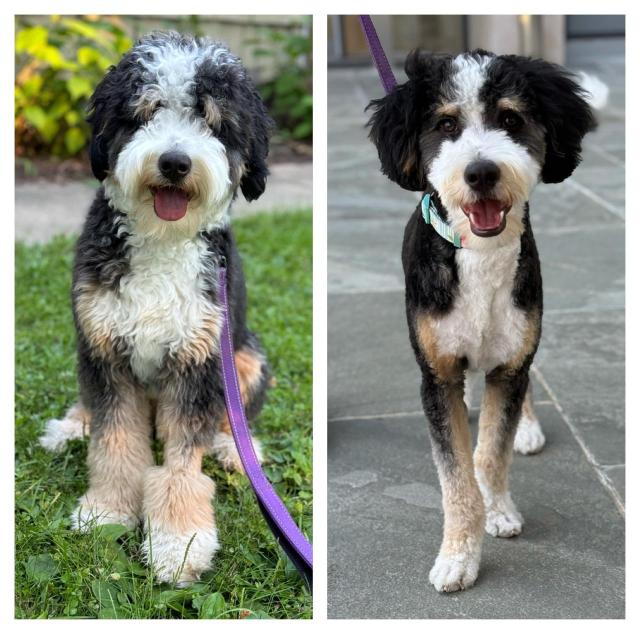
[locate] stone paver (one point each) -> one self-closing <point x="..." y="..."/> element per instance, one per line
<point x="385" y="517"/>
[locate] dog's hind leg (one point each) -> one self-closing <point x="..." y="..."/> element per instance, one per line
<point x="505" y="390"/>
<point x="119" y="453"/>
<point x="253" y="376"/>
<point x="529" y="437"/>
<point x="75" y="425"/>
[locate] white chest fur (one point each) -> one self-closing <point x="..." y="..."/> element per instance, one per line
<point x="484" y="325"/>
<point x="160" y="304"/>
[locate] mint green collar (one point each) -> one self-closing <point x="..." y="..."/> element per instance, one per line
<point x="431" y="217"/>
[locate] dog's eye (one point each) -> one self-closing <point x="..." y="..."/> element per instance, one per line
<point x="511" y="121"/>
<point x="448" y="125"/>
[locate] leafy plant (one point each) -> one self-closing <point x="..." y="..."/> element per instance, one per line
<point x="289" y="93"/>
<point x="59" y="61"/>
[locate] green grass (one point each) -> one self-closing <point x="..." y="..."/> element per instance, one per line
<point x="60" y="573"/>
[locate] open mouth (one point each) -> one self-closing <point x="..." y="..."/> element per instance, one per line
<point x="487" y="217"/>
<point x="170" y="203"/>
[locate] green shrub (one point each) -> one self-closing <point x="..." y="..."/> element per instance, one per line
<point x="289" y="93"/>
<point x="59" y="61"/>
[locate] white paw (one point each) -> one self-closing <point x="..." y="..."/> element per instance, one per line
<point x="503" y="520"/>
<point x="225" y="450"/>
<point x="180" y="558"/>
<point x="58" y="432"/>
<point x="89" y="514"/>
<point x="529" y="437"/>
<point x="451" y="573"/>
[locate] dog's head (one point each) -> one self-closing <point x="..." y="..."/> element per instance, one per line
<point x="178" y="128"/>
<point x="481" y="130"/>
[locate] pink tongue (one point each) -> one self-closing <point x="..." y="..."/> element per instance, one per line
<point x="485" y="214"/>
<point x="170" y="203"/>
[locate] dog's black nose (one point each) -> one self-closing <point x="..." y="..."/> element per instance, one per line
<point x="174" y="166"/>
<point x="482" y="175"/>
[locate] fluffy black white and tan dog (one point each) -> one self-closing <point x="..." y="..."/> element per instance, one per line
<point x="178" y="130"/>
<point x="477" y="132"/>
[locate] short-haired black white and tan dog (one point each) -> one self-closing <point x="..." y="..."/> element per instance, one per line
<point x="178" y="130"/>
<point x="477" y="132"/>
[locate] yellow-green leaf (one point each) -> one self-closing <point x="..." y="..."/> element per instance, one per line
<point x="123" y="44"/>
<point x="86" y="30"/>
<point x="50" y="129"/>
<point x="87" y="55"/>
<point x="33" y="85"/>
<point x="59" y="107"/>
<point x="36" y="116"/>
<point x="52" y="56"/>
<point x="72" y="117"/>
<point x="43" y="123"/>
<point x="31" y="39"/>
<point x="74" y="140"/>
<point x="78" y="87"/>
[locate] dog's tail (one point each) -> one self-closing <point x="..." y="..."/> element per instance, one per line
<point x="596" y="91"/>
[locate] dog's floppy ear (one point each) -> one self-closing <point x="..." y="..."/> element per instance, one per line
<point x="254" y="179"/>
<point x="563" y="109"/>
<point x="396" y="122"/>
<point x="109" y="111"/>
<point x="97" y="115"/>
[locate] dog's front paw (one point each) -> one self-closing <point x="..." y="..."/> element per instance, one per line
<point x="451" y="573"/>
<point x="91" y="513"/>
<point x="225" y="450"/>
<point x="180" y="558"/>
<point x="529" y="437"/>
<point x="503" y="520"/>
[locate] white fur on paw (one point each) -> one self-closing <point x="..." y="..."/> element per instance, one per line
<point x="89" y="514"/>
<point x="451" y="573"/>
<point x="58" y="432"/>
<point x="503" y="518"/>
<point x="225" y="450"/>
<point x="529" y="437"/>
<point x="471" y="378"/>
<point x="501" y="515"/>
<point x="180" y="557"/>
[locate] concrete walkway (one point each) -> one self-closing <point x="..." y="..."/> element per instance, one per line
<point x="44" y="209"/>
<point x="385" y="517"/>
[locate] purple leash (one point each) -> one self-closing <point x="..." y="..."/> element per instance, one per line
<point x="285" y="530"/>
<point x="377" y="53"/>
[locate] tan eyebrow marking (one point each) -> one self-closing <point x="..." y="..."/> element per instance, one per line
<point x="448" y="110"/>
<point x="212" y="112"/>
<point x="510" y="103"/>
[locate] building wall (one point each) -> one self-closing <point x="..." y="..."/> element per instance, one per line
<point x="521" y="34"/>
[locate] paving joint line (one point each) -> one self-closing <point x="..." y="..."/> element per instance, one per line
<point x="612" y="209"/>
<point x="612" y="158"/>
<point x="603" y="477"/>
<point x="419" y="412"/>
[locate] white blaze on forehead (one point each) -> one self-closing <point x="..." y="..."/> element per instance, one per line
<point x="172" y="66"/>
<point x="469" y="75"/>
